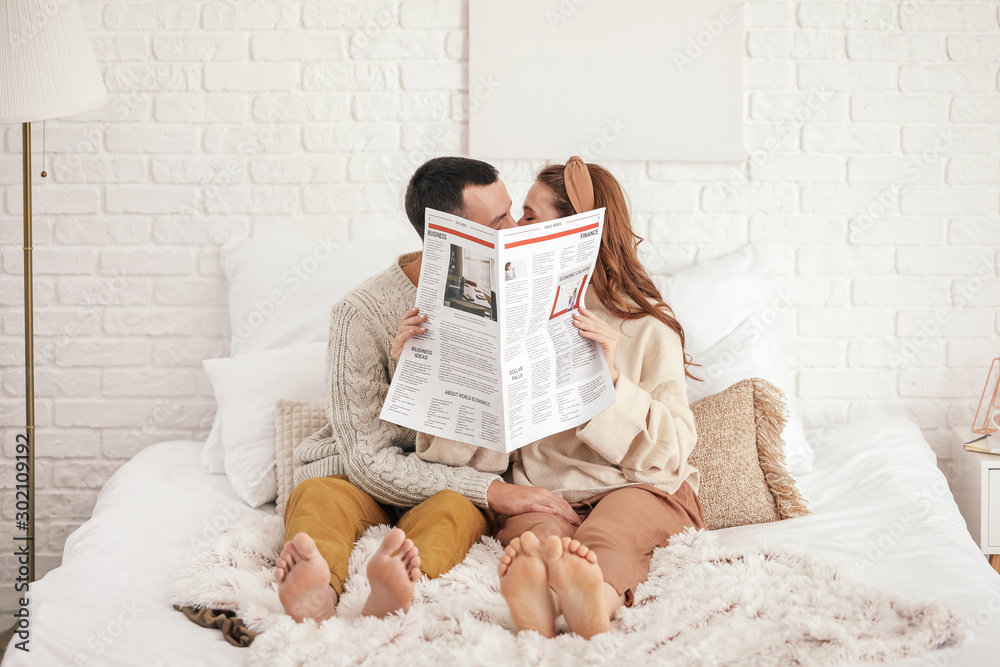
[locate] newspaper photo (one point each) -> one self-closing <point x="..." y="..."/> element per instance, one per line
<point x="501" y="364"/>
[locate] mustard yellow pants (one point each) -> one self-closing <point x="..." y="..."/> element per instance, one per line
<point x="335" y="513"/>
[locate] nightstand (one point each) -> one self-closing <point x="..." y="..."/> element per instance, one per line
<point x="976" y="487"/>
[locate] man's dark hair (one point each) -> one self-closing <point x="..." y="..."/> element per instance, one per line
<point x="439" y="184"/>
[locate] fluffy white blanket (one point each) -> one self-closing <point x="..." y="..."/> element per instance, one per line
<point x="703" y="604"/>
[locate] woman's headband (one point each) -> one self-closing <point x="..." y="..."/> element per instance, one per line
<point x="579" y="186"/>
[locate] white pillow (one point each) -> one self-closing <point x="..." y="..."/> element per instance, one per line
<point x="281" y="291"/>
<point x="712" y="298"/>
<point x="753" y="350"/>
<point x="729" y="307"/>
<point x="246" y="388"/>
<point x="213" y="456"/>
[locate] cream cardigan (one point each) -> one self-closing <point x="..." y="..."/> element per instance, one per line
<point x="646" y="436"/>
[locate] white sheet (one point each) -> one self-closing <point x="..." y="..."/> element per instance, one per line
<point x="143" y="525"/>
<point x="866" y="486"/>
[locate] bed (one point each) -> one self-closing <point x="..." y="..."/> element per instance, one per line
<point x="879" y="502"/>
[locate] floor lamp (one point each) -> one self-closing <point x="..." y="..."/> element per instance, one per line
<point x="47" y="70"/>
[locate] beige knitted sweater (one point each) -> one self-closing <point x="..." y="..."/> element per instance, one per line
<point x="646" y="436"/>
<point x="377" y="456"/>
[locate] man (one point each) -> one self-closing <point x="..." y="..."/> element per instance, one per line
<point x="366" y="471"/>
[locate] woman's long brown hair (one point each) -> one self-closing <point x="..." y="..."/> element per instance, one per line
<point x="620" y="281"/>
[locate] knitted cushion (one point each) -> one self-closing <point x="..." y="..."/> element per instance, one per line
<point x="294" y="421"/>
<point x="739" y="456"/>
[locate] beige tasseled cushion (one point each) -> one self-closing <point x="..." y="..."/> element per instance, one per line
<point x="739" y="453"/>
<point x="294" y="421"/>
<point x="740" y="456"/>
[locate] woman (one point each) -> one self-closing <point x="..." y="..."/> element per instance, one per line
<point x="625" y="472"/>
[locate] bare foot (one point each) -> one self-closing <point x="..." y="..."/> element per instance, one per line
<point x="577" y="579"/>
<point x="525" y="587"/>
<point x="303" y="578"/>
<point x="392" y="572"/>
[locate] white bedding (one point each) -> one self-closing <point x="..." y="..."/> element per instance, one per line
<point x="874" y="483"/>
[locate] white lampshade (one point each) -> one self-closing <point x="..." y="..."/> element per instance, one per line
<point x="47" y="66"/>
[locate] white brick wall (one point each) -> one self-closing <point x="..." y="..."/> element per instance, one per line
<point x="233" y="118"/>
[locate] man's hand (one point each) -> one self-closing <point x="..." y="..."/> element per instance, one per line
<point x="411" y="325"/>
<point x="514" y="499"/>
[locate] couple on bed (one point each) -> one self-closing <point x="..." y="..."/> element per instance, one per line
<point x="579" y="512"/>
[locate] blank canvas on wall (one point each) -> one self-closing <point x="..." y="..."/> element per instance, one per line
<point x="621" y="80"/>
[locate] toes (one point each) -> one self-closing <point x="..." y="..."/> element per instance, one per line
<point x="553" y="549"/>
<point x="406" y="547"/>
<point x="582" y="550"/>
<point x="393" y="541"/>
<point x="566" y="542"/>
<point x="530" y="543"/>
<point x="415" y="574"/>
<point x="304" y="546"/>
<point x="502" y="569"/>
<point x="515" y="547"/>
<point x="279" y="574"/>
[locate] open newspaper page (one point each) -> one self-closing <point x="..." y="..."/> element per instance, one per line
<point x="447" y="382"/>
<point x="501" y="363"/>
<point x="554" y="378"/>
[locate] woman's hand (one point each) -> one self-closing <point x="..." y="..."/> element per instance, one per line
<point x="411" y="325"/>
<point x="596" y="329"/>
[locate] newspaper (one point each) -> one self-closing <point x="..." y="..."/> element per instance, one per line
<point x="501" y="364"/>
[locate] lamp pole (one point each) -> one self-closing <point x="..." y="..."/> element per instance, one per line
<point x="29" y="356"/>
<point x="29" y="392"/>
<point x="47" y="59"/>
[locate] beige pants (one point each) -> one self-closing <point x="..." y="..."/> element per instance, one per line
<point x="621" y="526"/>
